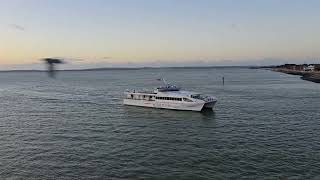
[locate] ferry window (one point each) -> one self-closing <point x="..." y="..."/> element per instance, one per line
<point x="187" y="100"/>
<point x="195" y="96"/>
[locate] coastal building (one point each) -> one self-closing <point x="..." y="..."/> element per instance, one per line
<point x="300" y="67"/>
<point x="309" y="68"/>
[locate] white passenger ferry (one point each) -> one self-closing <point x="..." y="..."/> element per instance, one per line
<point x="169" y="97"/>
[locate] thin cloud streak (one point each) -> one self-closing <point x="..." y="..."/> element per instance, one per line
<point x="17" y="27"/>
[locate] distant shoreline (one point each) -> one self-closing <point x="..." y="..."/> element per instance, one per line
<point x="136" y="68"/>
<point x="305" y="75"/>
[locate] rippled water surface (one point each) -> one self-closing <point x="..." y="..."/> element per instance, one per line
<point x="265" y="125"/>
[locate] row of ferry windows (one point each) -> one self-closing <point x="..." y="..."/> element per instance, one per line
<point x="169" y="98"/>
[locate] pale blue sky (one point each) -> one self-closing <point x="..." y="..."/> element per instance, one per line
<point x="143" y="32"/>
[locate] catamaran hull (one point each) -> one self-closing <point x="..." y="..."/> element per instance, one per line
<point x="165" y="105"/>
<point x="209" y="105"/>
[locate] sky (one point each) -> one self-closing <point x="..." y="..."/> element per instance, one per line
<point x="111" y="33"/>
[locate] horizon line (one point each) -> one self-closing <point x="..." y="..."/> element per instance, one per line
<point x="135" y="68"/>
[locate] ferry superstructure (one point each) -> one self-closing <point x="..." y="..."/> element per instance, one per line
<point x="169" y="97"/>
